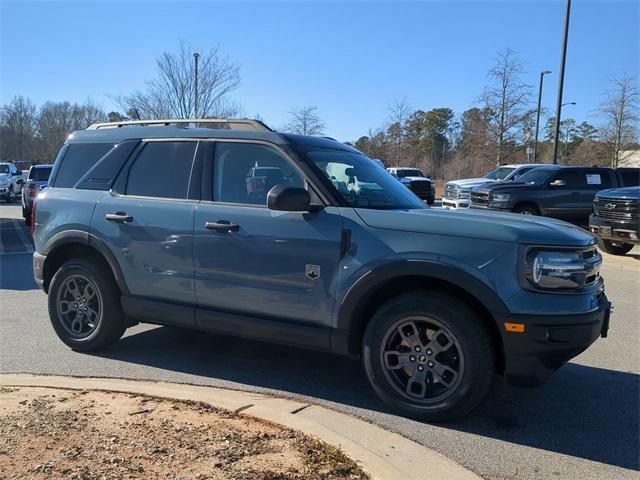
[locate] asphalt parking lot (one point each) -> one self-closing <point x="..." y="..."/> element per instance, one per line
<point x="583" y="424"/>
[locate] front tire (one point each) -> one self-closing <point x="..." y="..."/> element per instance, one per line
<point x="428" y="356"/>
<point x="526" y="209"/>
<point x="615" y="248"/>
<point x="84" y="305"/>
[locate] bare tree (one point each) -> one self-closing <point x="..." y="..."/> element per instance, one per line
<point x="506" y="102"/>
<point x="305" y="121"/>
<point x="172" y="93"/>
<point x="18" y="125"/>
<point x="620" y="111"/>
<point x="399" y="112"/>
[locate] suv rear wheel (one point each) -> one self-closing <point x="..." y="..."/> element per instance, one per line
<point x="615" y="248"/>
<point x="428" y="356"/>
<point x="84" y="305"/>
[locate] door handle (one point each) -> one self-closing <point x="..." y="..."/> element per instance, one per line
<point x="118" y="217"/>
<point x="222" y="226"/>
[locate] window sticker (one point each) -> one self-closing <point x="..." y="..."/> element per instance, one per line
<point x="594" y="179"/>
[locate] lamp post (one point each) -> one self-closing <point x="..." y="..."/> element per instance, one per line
<point x="195" y="84"/>
<point x="566" y="137"/>
<point x="535" y="141"/>
<point x="563" y="61"/>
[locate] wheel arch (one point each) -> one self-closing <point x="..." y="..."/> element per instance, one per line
<point x="379" y="286"/>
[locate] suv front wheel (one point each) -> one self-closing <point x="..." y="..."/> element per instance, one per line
<point x="615" y="248"/>
<point x="428" y="356"/>
<point x="84" y="305"/>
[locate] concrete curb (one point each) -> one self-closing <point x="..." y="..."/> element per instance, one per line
<point x="384" y="455"/>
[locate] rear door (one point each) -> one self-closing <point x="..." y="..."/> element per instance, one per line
<point x="565" y="197"/>
<point x="268" y="264"/>
<point x="147" y="219"/>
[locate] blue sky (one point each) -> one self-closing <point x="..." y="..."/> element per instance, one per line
<point x="350" y="59"/>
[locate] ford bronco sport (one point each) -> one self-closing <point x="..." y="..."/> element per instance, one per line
<point x="305" y="241"/>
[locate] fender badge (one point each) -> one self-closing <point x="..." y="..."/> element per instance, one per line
<point x="312" y="271"/>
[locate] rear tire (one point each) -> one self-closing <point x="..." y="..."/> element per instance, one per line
<point x="84" y="305"/>
<point x="433" y="377"/>
<point x="526" y="209"/>
<point x="615" y="248"/>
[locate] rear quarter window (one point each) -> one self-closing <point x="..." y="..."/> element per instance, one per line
<point x="77" y="161"/>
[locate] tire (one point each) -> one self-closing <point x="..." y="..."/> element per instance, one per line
<point x="615" y="248"/>
<point x="526" y="209"/>
<point x="471" y="356"/>
<point x="102" y="307"/>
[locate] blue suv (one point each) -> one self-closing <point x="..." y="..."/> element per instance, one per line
<point x="240" y="230"/>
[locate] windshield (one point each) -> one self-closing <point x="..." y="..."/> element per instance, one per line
<point x="409" y="173"/>
<point x="40" y="174"/>
<point x="499" y="173"/>
<point x="4" y="169"/>
<point x="536" y="176"/>
<point x="360" y="182"/>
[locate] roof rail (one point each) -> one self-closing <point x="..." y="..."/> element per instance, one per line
<point x="225" y="123"/>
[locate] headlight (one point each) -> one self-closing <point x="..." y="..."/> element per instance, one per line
<point x="464" y="194"/>
<point x="500" y="197"/>
<point x="562" y="269"/>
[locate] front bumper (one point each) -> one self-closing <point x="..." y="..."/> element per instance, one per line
<point x="456" y="203"/>
<point x="613" y="230"/>
<point x="549" y="341"/>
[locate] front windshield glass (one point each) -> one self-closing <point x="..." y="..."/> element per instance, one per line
<point x="40" y="174"/>
<point x="360" y="182"/>
<point x="536" y="176"/>
<point x="4" y="169"/>
<point x="499" y="173"/>
<point x="409" y="173"/>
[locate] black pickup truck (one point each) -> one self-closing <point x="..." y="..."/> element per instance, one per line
<point x="561" y="192"/>
<point x="616" y="219"/>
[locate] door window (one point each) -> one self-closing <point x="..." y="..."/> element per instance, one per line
<point x="245" y="173"/>
<point x="598" y="179"/>
<point x="163" y="169"/>
<point x="573" y="179"/>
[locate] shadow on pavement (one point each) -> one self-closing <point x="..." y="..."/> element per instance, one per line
<point x="16" y="272"/>
<point x="583" y="411"/>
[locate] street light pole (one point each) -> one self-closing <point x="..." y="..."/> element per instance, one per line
<point x="563" y="61"/>
<point x="535" y="142"/>
<point x="195" y="85"/>
<point x="566" y="137"/>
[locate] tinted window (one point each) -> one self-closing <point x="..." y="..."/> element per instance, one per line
<point x="537" y="176"/>
<point x="162" y="169"/>
<point x="244" y="173"/>
<point x="40" y="174"/>
<point x="4" y="169"/>
<point x="409" y="173"/>
<point x="499" y="173"/>
<point x="629" y="178"/>
<point x="572" y="179"/>
<point x="80" y="157"/>
<point x="516" y="174"/>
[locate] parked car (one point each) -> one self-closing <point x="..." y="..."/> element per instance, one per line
<point x="416" y="181"/>
<point x="457" y="193"/>
<point x="10" y="181"/>
<point x="554" y="191"/>
<point x="157" y="225"/>
<point x="37" y="179"/>
<point x="616" y="219"/>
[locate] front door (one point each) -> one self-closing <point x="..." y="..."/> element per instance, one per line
<point x="253" y="261"/>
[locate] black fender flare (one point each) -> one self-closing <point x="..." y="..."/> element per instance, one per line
<point x="347" y="322"/>
<point x="86" y="238"/>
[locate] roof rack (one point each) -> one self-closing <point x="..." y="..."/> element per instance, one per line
<point x="225" y="123"/>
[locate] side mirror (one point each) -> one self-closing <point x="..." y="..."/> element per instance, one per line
<point x="558" y="183"/>
<point x="289" y="199"/>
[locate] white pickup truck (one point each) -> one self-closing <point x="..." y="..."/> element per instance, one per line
<point x="10" y="181"/>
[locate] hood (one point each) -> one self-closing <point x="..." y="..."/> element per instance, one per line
<point x="470" y="182"/>
<point x="415" y="179"/>
<point x="630" y="193"/>
<point x="497" y="226"/>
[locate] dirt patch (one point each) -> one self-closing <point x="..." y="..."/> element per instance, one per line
<point x="86" y="435"/>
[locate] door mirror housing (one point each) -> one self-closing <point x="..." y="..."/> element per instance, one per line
<point x="558" y="183"/>
<point x="289" y="199"/>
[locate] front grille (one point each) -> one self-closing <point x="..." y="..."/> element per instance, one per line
<point x="616" y="209"/>
<point x="451" y="191"/>
<point x="421" y="189"/>
<point x="480" y="198"/>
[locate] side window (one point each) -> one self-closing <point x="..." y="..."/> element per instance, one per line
<point x="629" y="178"/>
<point x="573" y="179"/>
<point x="162" y="169"/>
<point x="598" y="179"/>
<point x="245" y="173"/>
<point x="520" y="172"/>
<point x="77" y="161"/>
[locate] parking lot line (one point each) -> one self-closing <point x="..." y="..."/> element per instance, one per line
<point x="28" y="245"/>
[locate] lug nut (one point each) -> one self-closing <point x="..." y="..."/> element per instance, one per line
<point x="429" y="351"/>
<point x="412" y="358"/>
<point x="430" y="364"/>
<point x="420" y="368"/>
<point x="418" y="349"/>
<point x="75" y="305"/>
